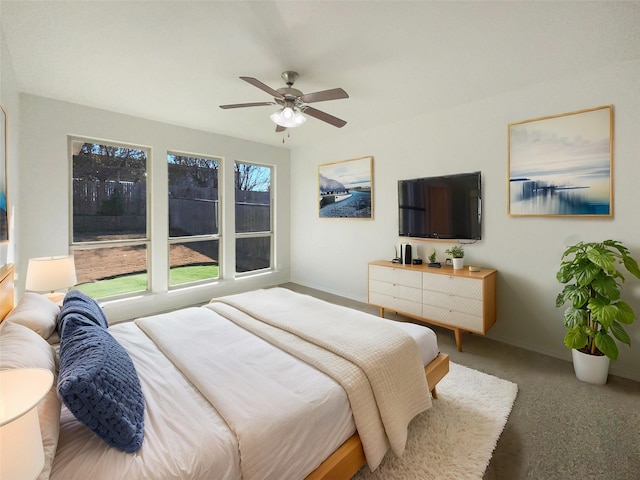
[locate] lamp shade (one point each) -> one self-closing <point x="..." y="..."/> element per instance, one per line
<point x="47" y="274"/>
<point x="21" y="450"/>
<point x="288" y="117"/>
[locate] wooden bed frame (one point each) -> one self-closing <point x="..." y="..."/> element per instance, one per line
<point x="341" y="464"/>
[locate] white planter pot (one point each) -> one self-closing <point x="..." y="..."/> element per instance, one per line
<point x="590" y="368"/>
<point x="458" y="263"/>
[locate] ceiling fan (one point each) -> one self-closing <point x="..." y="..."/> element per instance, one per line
<point x="294" y="103"/>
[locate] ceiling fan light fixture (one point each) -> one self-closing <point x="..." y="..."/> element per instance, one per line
<point x="288" y="118"/>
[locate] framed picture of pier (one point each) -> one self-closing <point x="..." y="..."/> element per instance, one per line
<point x="346" y="189"/>
<point x="4" y="208"/>
<point x="562" y="165"/>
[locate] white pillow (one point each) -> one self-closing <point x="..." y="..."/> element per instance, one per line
<point x="21" y="347"/>
<point x="36" y="312"/>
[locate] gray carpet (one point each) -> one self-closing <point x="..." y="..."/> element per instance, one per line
<point x="559" y="428"/>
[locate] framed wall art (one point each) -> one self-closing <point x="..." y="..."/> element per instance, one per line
<point x="346" y="189"/>
<point x="562" y="165"/>
<point x="4" y="209"/>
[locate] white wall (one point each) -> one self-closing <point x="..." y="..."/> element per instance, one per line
<point x="332" y="254"/>
<point x="43" y="202"/>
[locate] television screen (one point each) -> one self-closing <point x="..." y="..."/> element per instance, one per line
<point x="447" y="207"/>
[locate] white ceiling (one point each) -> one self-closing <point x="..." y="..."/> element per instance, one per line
<point x="176" y="61"/>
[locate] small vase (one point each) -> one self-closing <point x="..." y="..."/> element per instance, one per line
<point x="590" y="368"/>
<point x="458" y="263"/>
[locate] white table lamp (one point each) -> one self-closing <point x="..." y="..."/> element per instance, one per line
<point x="21" y="451"/>
<point x="47" y="274"/>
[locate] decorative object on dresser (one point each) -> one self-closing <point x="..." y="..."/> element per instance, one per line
<point x="457" y="253"/>
<point x="589" y="273"/>
<point x="48" y="274"/>
<point x="455" y="299"/>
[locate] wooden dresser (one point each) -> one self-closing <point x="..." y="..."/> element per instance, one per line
<point x="456" y="299"/>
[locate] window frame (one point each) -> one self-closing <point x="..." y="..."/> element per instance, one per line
<point x="98" y="244"/>
<point x="202" y="237"/>
<point x="261" y="234"/>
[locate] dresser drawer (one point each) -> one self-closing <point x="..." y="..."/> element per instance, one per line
<point x="463" y="287"/>
<point x="395" y="290"/>
<point x="453" y="318"/>
<point x="472" y="306"/>
<point x="398" y="276"/>
<point x="396" y="304"/>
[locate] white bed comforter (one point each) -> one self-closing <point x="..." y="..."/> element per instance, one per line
<point x="185" y="437"/>
<point x="272" y="402"/>
<point x="378" y="365"/>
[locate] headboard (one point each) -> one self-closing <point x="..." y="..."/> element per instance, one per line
<point x="6" y="290"/>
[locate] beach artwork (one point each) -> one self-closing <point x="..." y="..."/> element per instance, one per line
<point x="346" y="189"/>
<point x="4" y="208"/>
<point x="561" y="165"/>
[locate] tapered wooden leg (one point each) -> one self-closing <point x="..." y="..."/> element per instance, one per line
<point x="458" y="339"/>
<point x="382" y="312"/>
<point x="434" y="393"/>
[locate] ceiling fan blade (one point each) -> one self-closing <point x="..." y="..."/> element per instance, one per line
<point x="333" y="94"/>
<point x="280" y="128"/>
<point x="241" y="105"/>
<point x="266" y="88"/>
<point x="325" y="117"/>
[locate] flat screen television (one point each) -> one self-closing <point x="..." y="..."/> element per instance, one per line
<point x="446" y="207"/>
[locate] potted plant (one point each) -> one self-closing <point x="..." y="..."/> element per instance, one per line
<point x="596" y="312"/>
<point x="432" y="257"/>
<point x="457" y="252"/>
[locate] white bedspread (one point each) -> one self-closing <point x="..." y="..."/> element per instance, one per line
<point x="286" y="415"/>
<point x="379" y="365"/>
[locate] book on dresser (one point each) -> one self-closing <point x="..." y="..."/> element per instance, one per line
<point x="460" y="300"/>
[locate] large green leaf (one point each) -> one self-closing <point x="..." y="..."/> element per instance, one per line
<point x="575" y="338"/>
<point x="574" y="317"/>
<point x="607" y="287"/>
<point x="565" y="273"/>
<point x="607" y="345"/>
<point x="587" y="273"/>
<point x="631" y="265"/>
<point x="619" y="332"/>
<point x="625" y="313"/>
<point x="602" y="311"/>
<point x="578" y="296"/>
<point x="602" y="257"/>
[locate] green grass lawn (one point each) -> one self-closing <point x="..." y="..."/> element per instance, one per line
<point x="138" y="282"/>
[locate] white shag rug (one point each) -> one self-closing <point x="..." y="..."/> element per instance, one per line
<point x="456" y="437"/>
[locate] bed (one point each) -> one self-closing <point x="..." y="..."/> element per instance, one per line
<point x="237" y="408"/>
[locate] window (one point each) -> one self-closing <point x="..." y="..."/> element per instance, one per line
<point x="193" y="219"/>
<point x="254" y="231"/>
<point x="109" y="235"/>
